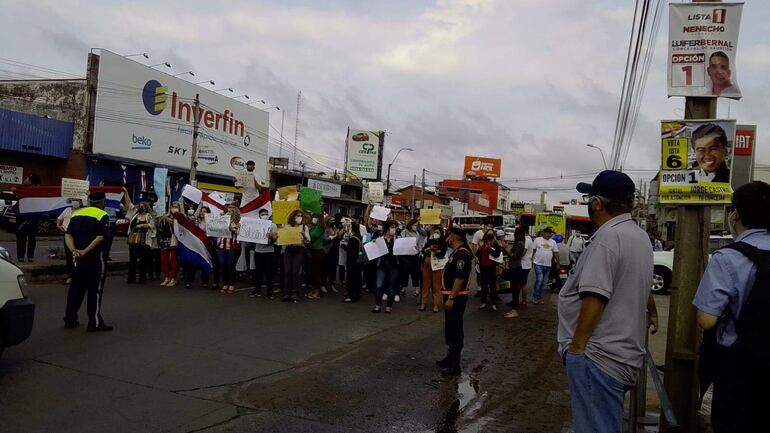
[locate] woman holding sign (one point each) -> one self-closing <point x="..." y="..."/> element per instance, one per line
<point x="387" y="270"/>
<point x="228" y="251"/>
<point x="433" y="264"/>
<point x="293" y="237"/>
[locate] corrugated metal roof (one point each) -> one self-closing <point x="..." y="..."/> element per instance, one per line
<point x="27" y="133"/>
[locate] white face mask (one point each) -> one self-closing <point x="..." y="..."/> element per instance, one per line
<point x="264" y="217"/>
<point x="436" y="236"/>
<point x="314" y="220"/>
<point x="190" y="212"/>
<point x="298" y="220"/>
<point x="392" y="231"/>
<point x="174" y="210"/>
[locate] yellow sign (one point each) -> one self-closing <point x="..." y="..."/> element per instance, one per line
<point x="703" y="192"/>
<point x="282" y="210"/>
<point x="557" y="221"/>
<point x="286" y="192"/>
<point x="674" y="153"/>
<point x="289" y="235"/>
<point x="430" y="216"/>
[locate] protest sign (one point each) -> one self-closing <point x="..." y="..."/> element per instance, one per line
<point x="282" y="210"/>
<point x="310" y="200"/>
<point x="379" y="213"/>
<point x="287" y="193"/>
<point x="405" y="247"/>
<point x="160" y="181"/>
<point x="556" y="221"/>
<point x="74" y="188"/>
<point x="245" y="180"/>
<point x="254" y="230"/>
<point x="375" y="250"/>
<point x="437" y="264"/>
<point x="376" y="192"/>
<point x="703" y="39"/>
<point x="430" y="216"/>
<point x="696" y="161"/>
<point x="192" y="193"/>
<point x="328" y="189"/>
<point x="217" y="226"/>
<point x="289" y="236"/>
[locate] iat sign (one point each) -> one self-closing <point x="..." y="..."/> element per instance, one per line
<point x="482" y="166"/>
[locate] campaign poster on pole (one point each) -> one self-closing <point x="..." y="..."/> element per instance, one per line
<point x="696" y="161"/>
<point x="703" y="40"/>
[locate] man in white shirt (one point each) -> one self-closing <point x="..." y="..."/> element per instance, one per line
<point x="575" y="244"/>
<point x="62" y="222"/>
<point x="545" y="250"/>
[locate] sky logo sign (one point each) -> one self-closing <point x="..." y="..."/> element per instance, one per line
<point x="154" y="97"/>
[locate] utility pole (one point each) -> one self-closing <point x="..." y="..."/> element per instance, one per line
<point x="414" y="185"/>
<point x="194" y="154"/>
<point x="296" y="130"/>
<point x="422" y="191"/>
<point x="692" y="232"/>
<point x="280" y="148"/>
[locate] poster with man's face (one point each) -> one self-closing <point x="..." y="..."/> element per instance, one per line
<point x="703" y="40"/>
<point x="696" y="161"/>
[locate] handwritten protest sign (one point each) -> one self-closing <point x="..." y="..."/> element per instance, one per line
<point x="405" y="247"/>
<point x="430" y="216"/>
<point x="254" y="230"/>
<point x="282" y="210"/>
<point x="217" y="226"/>
<point x="379" y="213"/>
<point x="289" y="236"/>
<point x="74" y="188"/>
<point x="376" y="192"/>
<point x="192" y="193"/>
<point x="310" y="200"/>
<point x="376" y="249"/>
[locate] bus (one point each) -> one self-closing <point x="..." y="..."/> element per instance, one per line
<point x="471" y="223"/>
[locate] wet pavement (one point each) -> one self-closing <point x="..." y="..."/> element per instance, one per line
<point x="198" y="361"/>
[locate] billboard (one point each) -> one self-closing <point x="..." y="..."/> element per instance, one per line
<point x="482" y="167"/>
<point x="147" y="116"/>
<point x="696" y="161"/>
<point x="557" y="221"/>
<point x="743" y="155"/>
<point x="703" y="39"/>
<point x="363" y="153"/>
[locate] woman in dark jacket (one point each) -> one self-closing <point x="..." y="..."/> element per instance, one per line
<point x="435" y="248"/>
<point x="514" y="272"/>
<point x="387" y="271"/>
<point x="353" y="248"/>
<point x="488" y="250"/>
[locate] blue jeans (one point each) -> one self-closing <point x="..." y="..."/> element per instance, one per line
<point x="597" y="398"/>
<point x="388" y="282"/>
<point x="541" y="279"/>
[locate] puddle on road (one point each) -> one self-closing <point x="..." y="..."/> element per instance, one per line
<point x="468" y="402"/>
<point x="467" y="389"/>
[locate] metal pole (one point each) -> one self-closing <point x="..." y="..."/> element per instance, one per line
<point x="194" y="154"/>
<point x="280" y="148"/>
<point x="414" y="185"/>
<point x="387" y="182"/>
<point x="422" y="191"/>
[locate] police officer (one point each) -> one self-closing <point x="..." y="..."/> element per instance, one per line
<point x="87" y="230"/>
<point x="456" y="280"/>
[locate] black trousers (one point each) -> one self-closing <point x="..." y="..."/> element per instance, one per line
<point x="410" y="267"/>
<point x="354" y="282"/>
<point x="26" y="240"/>
<point x="741" y="394"/>
<point x="264" y="269"/>
<point x="139" y="259"/>
<point x="453" y="327"/>
<point x="488" y="280"/>
<point x="68" y="261"/>
<point x="87" y="279"/>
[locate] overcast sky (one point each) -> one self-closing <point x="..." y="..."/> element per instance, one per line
<point x="528" y="81"/>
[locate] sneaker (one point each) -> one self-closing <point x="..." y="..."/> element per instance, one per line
<point x="494" y="307"/>
<point x="435" y="309"/>
<point x="376" y="309"/>
<point x="347" y="300"/>
<point x="71" y="325"/>
<point x="388" y="310"/>
<point x="384" y="297"/>
<point x="512" y="314"/>
<point x="334" y="289"/>
<point x="482" y="306"/>
<point x="188" y="286"/>
<point x="416" y="292"/>
<point x="323" y="289"/>
<point x="270" y="297"/>
<point x="397" y="299"/>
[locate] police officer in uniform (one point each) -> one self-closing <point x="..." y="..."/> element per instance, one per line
<point x="456" y="280"/>
<point x="85" y="235"/>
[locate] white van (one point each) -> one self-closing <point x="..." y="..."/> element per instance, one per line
<point x="17" y="312"/>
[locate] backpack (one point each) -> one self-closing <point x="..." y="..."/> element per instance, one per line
<point x="751" y="328"/>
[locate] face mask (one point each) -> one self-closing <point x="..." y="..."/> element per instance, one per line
<point x="436" y="236"/>
<point x="75" y="205"/>
<point x="191" y="212"/>
<point x="392" y="231"/>
<point x="379" y="228"/>
<point x="142" y="210"/>
<point x="298" y="220"/>
<point x="264" y="217"/>
<point x="314" y="220"/>
<point x="174" y="210"/>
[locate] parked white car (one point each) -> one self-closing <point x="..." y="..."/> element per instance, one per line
<point x="664" y="264"/>
<point x="17" y="312"/>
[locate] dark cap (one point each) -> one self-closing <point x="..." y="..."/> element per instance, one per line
<point x="96" y="196"/>
<point x="457" y="231"/>
<point x="612" y="185"/>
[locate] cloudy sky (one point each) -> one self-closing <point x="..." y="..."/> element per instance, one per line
<point x="528" y="81"/>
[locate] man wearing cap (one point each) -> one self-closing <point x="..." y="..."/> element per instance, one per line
<point x="602" y="307"/>
<point x="84" y="238"/>
<point x="456" y="279"/>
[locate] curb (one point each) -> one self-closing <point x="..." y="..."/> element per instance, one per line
<point x="57" y="273"/>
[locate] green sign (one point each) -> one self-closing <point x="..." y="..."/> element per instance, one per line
<point x="310" y="200"/>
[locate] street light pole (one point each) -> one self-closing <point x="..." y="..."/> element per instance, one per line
<point x="600" y="151"/>
<point x="387" y="182"/>
<point x="280" y="149"/>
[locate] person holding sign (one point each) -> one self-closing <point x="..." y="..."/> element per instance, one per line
<point x="435" y="249"/>
<point x="228" y="250"/>
<point x="294" y="255"/>
<point x="167" y="242"/>
<point x="515" y="273"/>
<point x="488" y="250"/>
<point x="387" y="271"/>
<point x="354" y="258"/>
<point x="317" y="256"/>
<point x="139" y="226"/>
<point x="264" y="260"/>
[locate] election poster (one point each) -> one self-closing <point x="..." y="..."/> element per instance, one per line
<point x="556" y="221"/>
<point x="703" y="40"/>
<point x="696" y="161"/>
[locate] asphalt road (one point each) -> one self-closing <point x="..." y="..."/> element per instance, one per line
<point x="196" y="360"/>
<point x="118" y="252"/>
